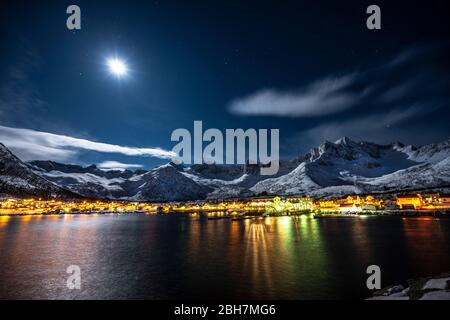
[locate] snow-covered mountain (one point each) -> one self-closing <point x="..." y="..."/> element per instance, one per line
<point x="87" y="181"/>
<point x="346" y="166"/>
<point x="17" y="179"/>
<point x="333" y="168"/>
<point x="168" y="183"/>
<point x="163" y="183"/>
<point x="432" y="153"/>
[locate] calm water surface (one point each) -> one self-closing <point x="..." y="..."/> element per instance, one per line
<point x="176" y="256"/>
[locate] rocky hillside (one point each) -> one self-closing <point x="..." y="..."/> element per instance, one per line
<point x="333" y="168"/>
<point x="17" y="179"/>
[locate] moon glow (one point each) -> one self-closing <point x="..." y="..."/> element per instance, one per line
<point x="117" y="67"/>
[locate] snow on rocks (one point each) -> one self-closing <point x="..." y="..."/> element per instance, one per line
<point x="437" y="284"/>
<point x="436" y="295"/>
<point x="430" y="288"/>
<point x="331" y="169"/>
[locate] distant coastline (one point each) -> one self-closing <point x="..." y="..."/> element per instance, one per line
<point x="432" y="204"/>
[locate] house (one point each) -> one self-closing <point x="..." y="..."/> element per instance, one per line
<point x="369" y="207"/>
<point x="391" y="205"/>
<point x="444" y="200"/>
<point x="371" y="201"/>
<point x="410" y="201"/>
<point x="431" y="199"/>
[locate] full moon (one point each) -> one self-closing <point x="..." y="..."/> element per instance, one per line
<point x="117" y="67"/>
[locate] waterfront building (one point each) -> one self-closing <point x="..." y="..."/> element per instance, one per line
<point x="410" y="201"/>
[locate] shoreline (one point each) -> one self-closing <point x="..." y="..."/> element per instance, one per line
<point x="386" y="213"/>
<point x="424" y="288"/>
<point x="316" y="215"/>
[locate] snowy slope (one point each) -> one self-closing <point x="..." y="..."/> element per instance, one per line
<point x="433" y="153"/>
<point x="168" y="183"/>
<point x="416" y="177"/>
<point x="333" y="168"/>
<point x="17" y="179"/>
<point x="87" y="181"/>
<point x="295" y="182"/>
<point x="346" y="166"/>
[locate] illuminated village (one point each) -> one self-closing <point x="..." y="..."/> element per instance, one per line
<point x="351" y="205"/>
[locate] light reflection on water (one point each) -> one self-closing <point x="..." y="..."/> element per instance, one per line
<point x="188" y="256"/>
<point x="257" y="262"/>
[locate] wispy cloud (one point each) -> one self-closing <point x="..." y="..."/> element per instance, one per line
<point x="32" y="145"/>
<point x="406" y="56"/>
<point x="336" y="93"/>
<point x="397" y="92"/>
<point x="391" y="99"/>
<point x="324" y="97"/>
<point x="379" y="127"/>
<point x="115" y="165"/>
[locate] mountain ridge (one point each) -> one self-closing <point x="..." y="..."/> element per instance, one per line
<point x="331" y="168"/>
<point x="17" y="179"/>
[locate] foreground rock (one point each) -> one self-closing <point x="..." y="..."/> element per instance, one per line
<point x="429" y="288"/>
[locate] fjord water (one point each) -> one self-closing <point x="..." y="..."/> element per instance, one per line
<point x="139" y="256"/>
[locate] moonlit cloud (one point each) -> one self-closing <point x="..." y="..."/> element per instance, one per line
<point x="36" y="145"/>
<point x="406" y="56"/>
<point x="115" y="165"/>
<point x="397" y="92"/>
<point x="377" y="127"/>
<point x="323" y="97"/>
<point x="335" y="93"/>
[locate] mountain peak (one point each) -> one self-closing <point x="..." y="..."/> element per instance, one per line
<point x="17" y="179"/>
<point x="4" y="149"/>
<point x="332" y="166"/>
<point x="398" y="144"/>
<point x="344" y="140"/>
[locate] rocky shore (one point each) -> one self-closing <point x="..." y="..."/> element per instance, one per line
<point x="428" y="288"/>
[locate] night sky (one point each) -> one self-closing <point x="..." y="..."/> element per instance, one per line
<point x="310" y="68"/>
